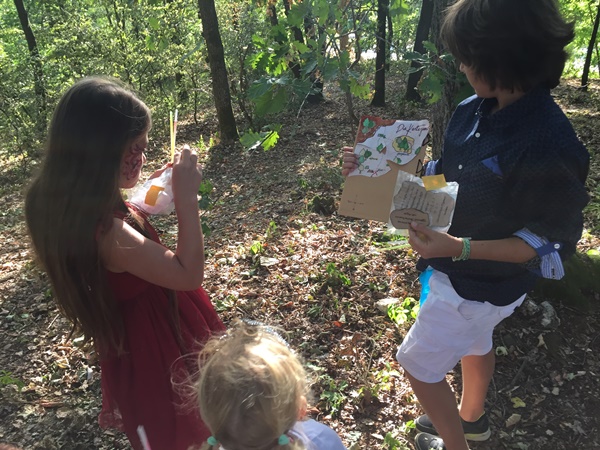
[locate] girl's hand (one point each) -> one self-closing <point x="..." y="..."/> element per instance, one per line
<point x="350" y="161"/>
<point x="433" y="244"/>
<point x="187" y="175"/>
<point x="159" y="172"/>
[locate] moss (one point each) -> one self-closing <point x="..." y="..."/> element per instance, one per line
<point x="579" y="285"/>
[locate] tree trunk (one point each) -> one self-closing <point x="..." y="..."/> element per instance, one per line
<point x="421" y="35"/>
<point x="590" y="50"/>
<point x="382" y="13"/>
<point x="36" y="62"/>
<point x="443" y="109"/>
<point x="218" y="71"/>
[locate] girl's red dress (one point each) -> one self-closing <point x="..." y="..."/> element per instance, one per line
<point x="147" y="385"/>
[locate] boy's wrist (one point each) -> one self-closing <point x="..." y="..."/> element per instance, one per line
<point x="465" y="252"/>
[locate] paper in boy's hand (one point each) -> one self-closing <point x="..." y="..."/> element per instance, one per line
<point x="382" y="148"/>
<point x="412" y="202"/>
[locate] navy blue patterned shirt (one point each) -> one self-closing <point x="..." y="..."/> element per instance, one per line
<point x="520" y="167"/>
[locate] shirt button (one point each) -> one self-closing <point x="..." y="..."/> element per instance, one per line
<point x="460" y="167"/>
<point x="477" y="134"/>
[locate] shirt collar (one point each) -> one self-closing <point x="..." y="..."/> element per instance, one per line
<point x="513" y="112"/>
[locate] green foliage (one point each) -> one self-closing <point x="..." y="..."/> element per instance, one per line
<point x="333" y="395"/>
<point x="265" y="139"/>
<point x="205" y="204"/>
<point x="582" y="14"/>
<point x="6" y="379"/>
<point x="401" y="313"/>
<point x="437" y="70"/>
<point x="335" y="277"/>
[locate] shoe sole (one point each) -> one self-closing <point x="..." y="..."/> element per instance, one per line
<point x="474" y="437"/>
<point x="479" y="437"/>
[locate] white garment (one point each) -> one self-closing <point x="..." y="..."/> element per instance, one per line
<point x="447" y="328"/>
<point x="315" y="436"/>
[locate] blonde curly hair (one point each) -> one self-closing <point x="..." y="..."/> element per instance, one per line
<point x="251" y="390"/>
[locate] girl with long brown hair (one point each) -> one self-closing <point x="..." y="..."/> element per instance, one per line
<point x="141" y="303"/>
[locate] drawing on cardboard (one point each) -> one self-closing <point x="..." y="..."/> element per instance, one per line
<point x="379" y="141"/>
<point x="382" y="146"/>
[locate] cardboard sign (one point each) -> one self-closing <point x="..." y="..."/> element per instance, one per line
<point x="383" y="147"/>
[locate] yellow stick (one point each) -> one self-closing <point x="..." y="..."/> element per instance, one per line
<point x="172" y="135"/>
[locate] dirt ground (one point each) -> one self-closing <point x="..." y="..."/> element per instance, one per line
<point x="279" y="253"/>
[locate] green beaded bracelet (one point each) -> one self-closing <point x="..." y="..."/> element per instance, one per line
<point x="466" y="250"/>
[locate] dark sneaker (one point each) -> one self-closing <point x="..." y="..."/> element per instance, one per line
<point x="474" y="431"/>
<point x="426" y="441"/>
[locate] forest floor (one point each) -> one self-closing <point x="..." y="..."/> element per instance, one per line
<point x="280" y="254"/>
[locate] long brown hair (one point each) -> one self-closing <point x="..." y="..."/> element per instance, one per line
<point x="76" y="193"/>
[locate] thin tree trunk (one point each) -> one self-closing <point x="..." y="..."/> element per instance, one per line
<point x="36" y="62"/>
<point x="590" y="50"/>
<point x="421" y="35"/>
<point x="442" y="110"/>
<point x="380" y="59"/>
<point x="218" y="71"/>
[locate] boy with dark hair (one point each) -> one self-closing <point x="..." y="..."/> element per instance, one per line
<point x="521" y="172"/>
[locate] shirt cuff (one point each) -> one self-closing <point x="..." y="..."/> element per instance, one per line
<point x="430" y="168"/>
<point x="551" y="265"/>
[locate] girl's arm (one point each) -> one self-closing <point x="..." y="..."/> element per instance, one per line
<point x="123" y="249"/>
<point x="433" y="244"/>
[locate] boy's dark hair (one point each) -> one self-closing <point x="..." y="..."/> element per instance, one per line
<point x="511" y="44"/>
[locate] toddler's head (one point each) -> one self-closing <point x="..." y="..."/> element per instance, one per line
<point x="251" y="390"/>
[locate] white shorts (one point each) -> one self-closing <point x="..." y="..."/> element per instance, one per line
<point x="447" y="328"/>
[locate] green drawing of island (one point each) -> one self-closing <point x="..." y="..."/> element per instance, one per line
<point x="399" y="142"/>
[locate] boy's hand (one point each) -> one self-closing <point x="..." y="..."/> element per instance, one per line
<point x="433" y="244"/>
<point x="350" y="161"/>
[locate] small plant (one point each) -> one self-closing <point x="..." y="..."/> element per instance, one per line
<point x="333" y="395"/>
<point x="393" y="443"/>
<point x="7" y="379"/>
<point x="400" y="313"/>
<point x="257" y="249"/>
<point x="271" y="230"/>
<point x="335" y="277"/>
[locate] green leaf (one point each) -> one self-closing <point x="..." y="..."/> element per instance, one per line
<point x="431" y="86"/>
<point x="163" y="44"/>
<point x="250" y="139"/>
<point x="309" y="66"/>
<point x="430" y="47"/>
<point x="259" y="88"/>
<point x="271" y="102"/>
<point x="398" y="8"/>
<point x="415" y="56"/>
<point x="321" y="11"/>
<point x="154" y="23"/>
<point x="296" y="15"/>
<point x="330" y="70"/>
<point x="362" y="91"/>
<point x="150" y="44"/>
<point x="300" y="47"/>
<point x="270" y="141"/>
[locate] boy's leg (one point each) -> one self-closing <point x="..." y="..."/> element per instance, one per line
<point x="437" y="399"/>
<point x="477" y="372"/>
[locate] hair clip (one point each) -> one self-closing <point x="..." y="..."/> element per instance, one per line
<point x="268" y="329"/>
<point x="283" y="440"/>
<point x="212" y="441"/>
